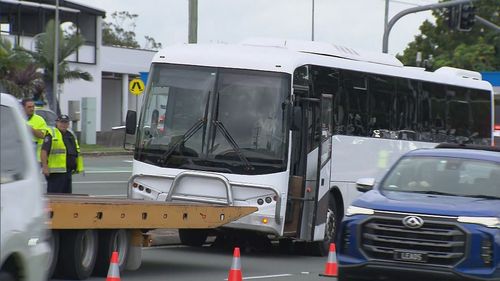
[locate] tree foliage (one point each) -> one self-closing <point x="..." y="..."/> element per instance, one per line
<point x="120" y="31"/>
<point x="478" y="49"/>
<point x="18" y="73"/>
<point x="114" y="33"/>
<point x="43" y="56"/>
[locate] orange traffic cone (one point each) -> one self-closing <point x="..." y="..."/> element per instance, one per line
<point x="235" y="272"/>
<point x="114" y="268"/>
<point x="331" y="268"/>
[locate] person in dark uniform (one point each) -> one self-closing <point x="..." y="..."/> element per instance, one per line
<point x="60" y="157"/>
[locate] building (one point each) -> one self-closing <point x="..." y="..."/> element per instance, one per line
<point x="111" y="67"/>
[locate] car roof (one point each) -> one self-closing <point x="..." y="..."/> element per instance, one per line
<point x="488" y="155"/>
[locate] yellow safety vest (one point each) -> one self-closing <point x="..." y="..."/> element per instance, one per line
<point x="57" y="156"/>
<point x="37" y="122"/>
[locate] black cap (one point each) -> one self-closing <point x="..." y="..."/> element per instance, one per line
<point x="63" y="118"/>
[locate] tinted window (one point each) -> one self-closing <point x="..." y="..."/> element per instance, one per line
<point x="406" y="104"/>
<point x="10" y="148"/>
<point x="356" y="89"/>
<point x="382" y="103"/>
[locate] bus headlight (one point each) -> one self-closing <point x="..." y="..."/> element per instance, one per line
<point x="490" y="222"/>
<point x="353" y="210"/>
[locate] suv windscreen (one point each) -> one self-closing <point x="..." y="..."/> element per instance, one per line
<point x="49" y="116"/>
<point x="444" y="175"/>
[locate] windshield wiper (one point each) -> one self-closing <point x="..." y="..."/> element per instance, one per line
<point x="219" y="125"/>
<point x="483" y="196"/>
<point x="186" y="136"/>
<point x="433" y="192"/>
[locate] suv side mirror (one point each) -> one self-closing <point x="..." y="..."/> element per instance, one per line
<point x="365" y="184"/>
<point x="131" y="122"/>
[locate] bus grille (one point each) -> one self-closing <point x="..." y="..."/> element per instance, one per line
<point x="442" y="242"/>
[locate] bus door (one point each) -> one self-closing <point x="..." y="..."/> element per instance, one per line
<point x="310" y="178"/>
<point x="323" y="168"/>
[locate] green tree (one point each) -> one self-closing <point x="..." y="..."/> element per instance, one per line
<point x="478" y="49"/>
<point x="114" y="33"/>
<point x="120" y="31"/>
<point x="44" y="57"/>
<point x="18" y="72"/>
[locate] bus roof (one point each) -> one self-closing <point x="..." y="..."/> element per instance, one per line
<point x="286" y="55"/>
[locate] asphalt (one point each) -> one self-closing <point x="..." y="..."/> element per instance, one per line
<point x="111" y="152"/>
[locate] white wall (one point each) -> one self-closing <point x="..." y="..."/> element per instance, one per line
<point x="78" y="89"/>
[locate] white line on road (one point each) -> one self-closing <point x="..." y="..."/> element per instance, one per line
<point x="128" y="161"/>
<point x="98" y="182"/>
<point x="106" y="172"/>
<point x="112" y="195"/>
<point x="266" y="276"/>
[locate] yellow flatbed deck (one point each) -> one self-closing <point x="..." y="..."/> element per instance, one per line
<point x="89" y="212"/>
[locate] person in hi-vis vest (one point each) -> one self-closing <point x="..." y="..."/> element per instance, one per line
<point x="60" y="157"/>
<point x="36" y="123"/>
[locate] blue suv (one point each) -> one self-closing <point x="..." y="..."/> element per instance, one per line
<point x="435" y="215"/>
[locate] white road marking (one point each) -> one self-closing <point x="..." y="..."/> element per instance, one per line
<point x="266" y="276"/>
<point x="107" y="172"/>
<point x="98" y="182"/>
<point x="127" y="161"/>
<point x="124" y="196"/>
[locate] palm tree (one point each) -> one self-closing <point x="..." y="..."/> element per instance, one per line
<point x="18" y="72"/>
<point x="44" y="56"/>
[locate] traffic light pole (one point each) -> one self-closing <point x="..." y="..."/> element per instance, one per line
<point x="488" y="23"/>
<point x="387" y="29"/>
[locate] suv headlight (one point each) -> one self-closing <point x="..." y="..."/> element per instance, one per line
<point x="353" y="210"/>
<point x="491" y="222"/>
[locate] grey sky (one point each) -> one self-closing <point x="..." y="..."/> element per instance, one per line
<point x="352" y="23"/>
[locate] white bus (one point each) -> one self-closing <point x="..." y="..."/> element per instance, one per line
<point x="289" y="127"/>
<point x="496" y="132"/>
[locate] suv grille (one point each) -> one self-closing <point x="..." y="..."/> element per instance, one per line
<point x="441" y="241"/>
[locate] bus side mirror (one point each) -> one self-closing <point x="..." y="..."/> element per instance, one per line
<point x="365" y="184"/>
<point x="131" y="122"/>
<point x="296" y="118"/>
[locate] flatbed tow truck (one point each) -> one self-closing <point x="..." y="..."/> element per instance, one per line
<point x="86" y="230"/>
<point x="72" y="236"/>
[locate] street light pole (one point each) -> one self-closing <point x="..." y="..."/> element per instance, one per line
<point x="312" y="21"/>
<point x="386" y="16"/>
<point x="56" y="58"/>
<point x="193" y="21"/>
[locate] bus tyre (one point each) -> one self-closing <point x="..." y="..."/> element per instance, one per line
<point x="193" y="237"/>
<point x="134" y="258"/>
<point x="54" y="253"/>
<point x="344" y="277"/>
<point x="78" y="252"/>
<point x="6" y="276"/>
<point x="320" y="248"/>
<point x="109" y="241"/>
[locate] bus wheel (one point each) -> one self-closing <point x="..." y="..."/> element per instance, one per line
<point x="54" y="253"/>
<point x="78" y="252"/>
<point x="110" y="241"/>
<point x="193" y="237"/>
<point x="320" y="248"/>
<point x="6" y="276"/>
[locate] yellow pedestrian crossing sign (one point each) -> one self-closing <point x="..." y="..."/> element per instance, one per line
<point x="136" y="86"/>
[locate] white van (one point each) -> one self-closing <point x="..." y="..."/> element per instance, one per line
<point x="24" y="246"/>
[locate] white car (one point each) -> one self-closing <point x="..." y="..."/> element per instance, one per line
<point x="24" y="237"/>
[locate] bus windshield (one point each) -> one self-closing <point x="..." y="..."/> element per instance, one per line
<point x="215" y="119"/>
